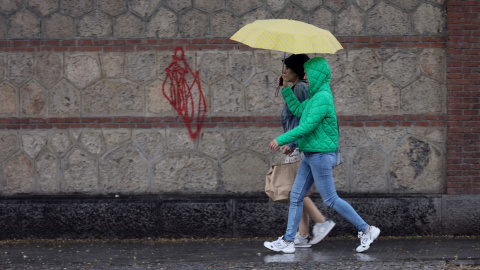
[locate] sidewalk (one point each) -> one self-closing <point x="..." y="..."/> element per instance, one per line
<point x="331" y="253"/>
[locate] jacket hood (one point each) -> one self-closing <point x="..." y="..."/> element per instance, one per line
<point x="318" y="73"/>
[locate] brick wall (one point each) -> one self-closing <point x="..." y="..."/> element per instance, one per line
<point x="463" y="107"/>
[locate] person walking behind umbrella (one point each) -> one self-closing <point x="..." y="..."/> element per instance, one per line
<point x="317" y="136"/>
<point x="294" y="74"/>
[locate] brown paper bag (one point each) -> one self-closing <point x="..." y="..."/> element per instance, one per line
<point x="280" y="180"/>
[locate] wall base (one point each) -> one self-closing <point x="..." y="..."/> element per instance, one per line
<point x="225" y="216"/>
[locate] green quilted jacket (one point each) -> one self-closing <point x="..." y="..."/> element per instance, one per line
<point x="317" y="130"/>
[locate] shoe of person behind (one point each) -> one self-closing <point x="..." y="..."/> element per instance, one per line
<point x="280" y="245"/>
<point x="301" y="242"/>
<point x="366" y="239"/>
<point x="320" y="230"/>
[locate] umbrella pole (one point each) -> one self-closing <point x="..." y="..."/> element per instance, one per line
<point x="281" y="79"/>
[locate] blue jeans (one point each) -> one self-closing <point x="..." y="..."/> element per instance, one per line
<point x="318" y="167"/>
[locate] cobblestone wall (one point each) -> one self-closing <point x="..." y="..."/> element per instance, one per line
<point x="82" y="108"/>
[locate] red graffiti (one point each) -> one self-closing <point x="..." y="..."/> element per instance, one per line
<point x="185" y="93"/>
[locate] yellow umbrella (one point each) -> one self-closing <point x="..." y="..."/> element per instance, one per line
<point x="287" y="36"/>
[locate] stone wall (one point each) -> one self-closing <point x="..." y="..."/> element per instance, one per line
<point x="91" y="156"/>
<point x="84" y="103"/>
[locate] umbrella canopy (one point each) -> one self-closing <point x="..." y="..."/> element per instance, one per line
<point x="287" y="36"/>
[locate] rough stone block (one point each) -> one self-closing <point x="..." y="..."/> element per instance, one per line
<point x="33" y="142"/>
<point x="115" y="137"/>
<point x="24" y="25"/>
<point x="212" y="65"/>
<point x="152" y="143"/>
<point x="240" y="7"/>
<point x="384" y="97"/>
<point x="293" y="12"/>
<point x="64" y="99"/>
<point x="92" y="141"/>
<point x="49" y="68"/>
<point x="241" y="66"/>
<point x="157" y="103"/>
<point x="213" y="143"/>
<point x="385" y="19"/>
<point x="141" y="66"/>
<point x="432" y="98"/>
<point x="209" y="5"/>
<point x="59" y="142"/>
<point x="128" y="26"/>
<point x="48" y="170"/>
<point x="254" y="15"/>
<point x="429" y="19"/>
<point x="8" y="100"/>
<point x="224" y="24"/>
<point x="261" y="95"/>
<point x="20" y="68"/>
<point x="124" y="170"/>
<point x="10" y="6"/>
<point x="323" y="18"/>
<point x="350" y="21"/>
<point x="244" y="173"/>
<point x="113" y="7"/>
<point x="9" y="143"/>
<point x="95" y="24"/>
<point x="34" y="100"/>
<point x="365" y="65"/>
<point x="144" y="8"/>
<point x="369" y="171"/>
<point x="117" y="97"/>
<point x="3" y="27"/>
<point x="402" y="68"/>
<point x="43" y="7"/>
<point x="228" y="97"/>
<point x="51" y="29"/>
<point x="82" y="70"/>
<point x="386" y="138"/>
<point x="19" y="175"/>
<point x="76" y="8"/>
<point x="185" y="173"/>
<point x="112" y="64"/>
<point x="335" y="5"/>
<point x="432" y="62"/>
<point x="80" y="172"/>
<point x="178" y="5"/>
<point x="417" y="167"/>
<point x="163" y="24"/>
<point x="350" y="97"/>
<point x="194" y="23"/>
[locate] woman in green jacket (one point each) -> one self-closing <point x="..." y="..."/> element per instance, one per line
<point x="317" y="138"/>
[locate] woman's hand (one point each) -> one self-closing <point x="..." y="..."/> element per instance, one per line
<point x="273" y="145"/>
<point x="283" y="79"/>
<point x="286" y="150"/>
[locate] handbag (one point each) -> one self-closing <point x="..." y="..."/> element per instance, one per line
<point x="279" y="181"/>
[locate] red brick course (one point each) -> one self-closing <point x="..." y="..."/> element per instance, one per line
<point x="213" y="122"/>
<point x="108" y="45"/>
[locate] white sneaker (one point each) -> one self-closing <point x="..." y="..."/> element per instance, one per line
<point x="366" y="239"/>
<point x="301" y="242"/>
<point x="280" y="245"/>
<point x="320" y="230"/>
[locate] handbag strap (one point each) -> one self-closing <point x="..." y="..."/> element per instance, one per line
<point x="338" y="127"/>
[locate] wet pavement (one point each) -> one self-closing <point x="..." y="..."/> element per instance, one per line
<point x="331" y="253"/>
